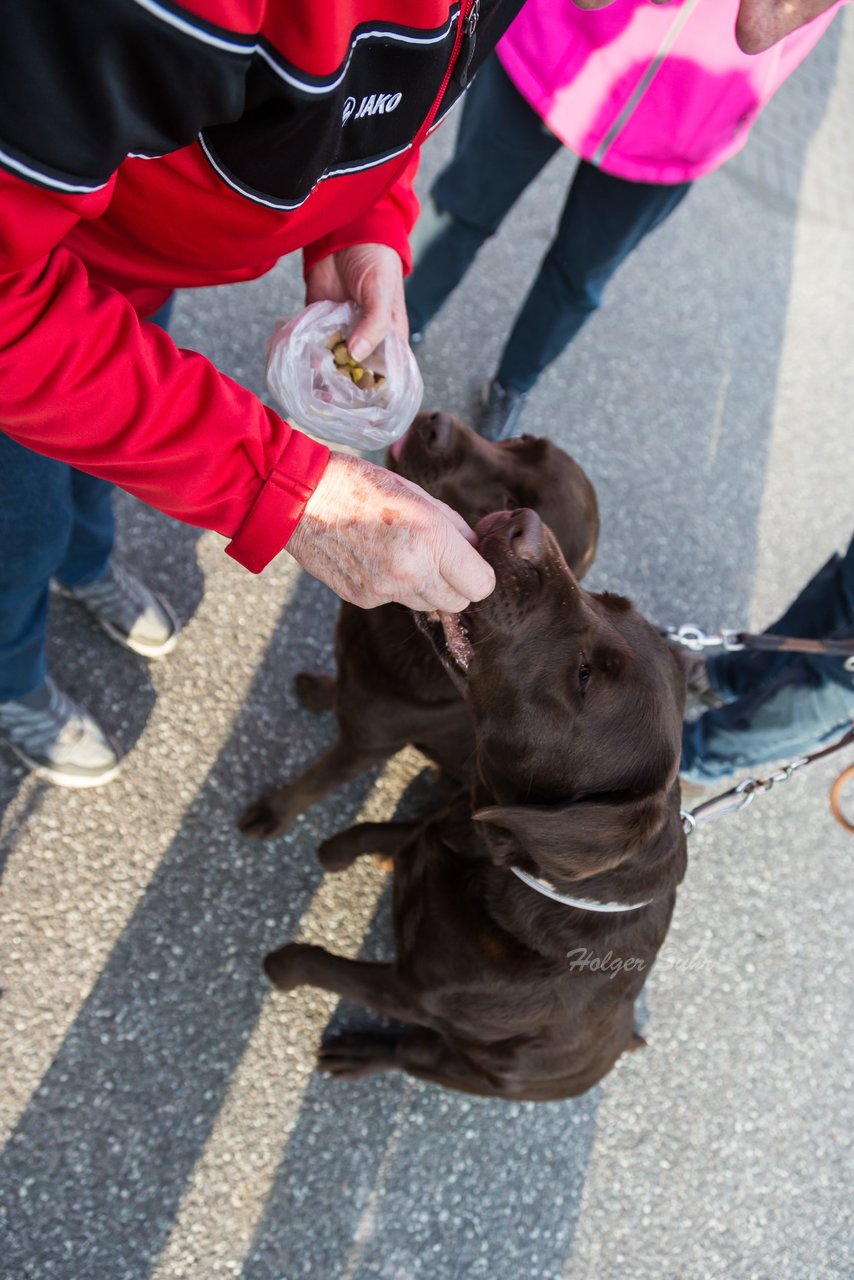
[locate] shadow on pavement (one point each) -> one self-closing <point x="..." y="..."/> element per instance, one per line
<point x="98" y="1162"/>
<point x="394" y="1177"/>
<point x="29" y="809"/>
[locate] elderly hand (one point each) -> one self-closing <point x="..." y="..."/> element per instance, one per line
<point x="372" y="276"/>
<point x="374" y="537"/>
<point x="760" y="24"/>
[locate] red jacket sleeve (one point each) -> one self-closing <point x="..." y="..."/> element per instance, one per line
<point x="389" y="222"/>
<point x="82" y="379"/>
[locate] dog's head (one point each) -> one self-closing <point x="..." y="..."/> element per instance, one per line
<point x="476" y="476"/>
<point x="577" y="704"/>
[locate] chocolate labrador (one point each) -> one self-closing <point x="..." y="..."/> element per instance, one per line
<point x="528" y="915"/>
<point x="391" y="689"/>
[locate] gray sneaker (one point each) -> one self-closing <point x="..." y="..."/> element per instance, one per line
<point x="58" y="739"/>
<point x="501" y="411"/>
<point x="129" y="611"/>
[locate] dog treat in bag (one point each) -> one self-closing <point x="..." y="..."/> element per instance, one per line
<point x="325" y="391"/>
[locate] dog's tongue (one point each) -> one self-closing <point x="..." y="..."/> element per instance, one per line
<point x="456" y="638"/>
<point x="396" y="445"/>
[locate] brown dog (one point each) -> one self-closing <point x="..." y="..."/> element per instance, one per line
<point x="391" y="689"/>
<point x="577" y="707"/>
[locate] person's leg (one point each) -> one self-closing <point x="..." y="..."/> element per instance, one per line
<point x="501" y="146"/>
<point x="56" y="523"/>
<point x="822" y="609"/>
<point x="796" y="713"/>
<point x="40" y="723"/>
<point x="603" y="220"/>
<point x="125" y="607"/>
<point x="35" y="527"/>
<point x="93" y="530"/>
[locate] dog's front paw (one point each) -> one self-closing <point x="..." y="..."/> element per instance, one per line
<point x="286" y="968"/>
<point x="356" y="1054"/>
<point x="261" y="819"/>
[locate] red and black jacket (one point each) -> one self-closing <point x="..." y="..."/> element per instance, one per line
<point x="147" y="146"/>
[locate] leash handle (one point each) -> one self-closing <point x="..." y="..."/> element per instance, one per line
<point x="791" y="644"/>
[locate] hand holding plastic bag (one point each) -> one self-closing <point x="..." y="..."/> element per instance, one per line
<point x="320" y="398"/>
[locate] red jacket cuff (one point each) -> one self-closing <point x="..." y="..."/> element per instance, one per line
<point x="379" y="226"/>
<point x="279" y="505"/>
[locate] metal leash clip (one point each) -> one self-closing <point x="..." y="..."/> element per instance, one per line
<point x="738" y="797"/>
<point x="732" y="801"/>
<point x="696" y="639"/>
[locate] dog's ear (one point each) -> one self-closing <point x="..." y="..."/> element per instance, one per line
<point x="572" y="841"/>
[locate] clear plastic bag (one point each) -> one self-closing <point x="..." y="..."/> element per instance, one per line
<point x="303" y="376"/>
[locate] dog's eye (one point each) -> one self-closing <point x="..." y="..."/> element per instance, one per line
<point x="583" y="676"/>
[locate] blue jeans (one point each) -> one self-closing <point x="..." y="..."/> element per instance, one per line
<point x="780" y="705"/>
<point x="55" y="522"/>
<point x="501" y="147"/>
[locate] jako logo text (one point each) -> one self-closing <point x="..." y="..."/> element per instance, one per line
<point x="374" y="104"/>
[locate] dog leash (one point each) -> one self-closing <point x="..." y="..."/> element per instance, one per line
<point x="732" y="801"/>
<point x="742" y="794"/>
<point x="697" y="641"/>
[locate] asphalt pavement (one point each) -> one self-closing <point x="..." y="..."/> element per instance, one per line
<point x="161" y="1116"/>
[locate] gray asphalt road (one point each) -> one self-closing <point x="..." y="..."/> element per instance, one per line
<point x="161" y="1117"/>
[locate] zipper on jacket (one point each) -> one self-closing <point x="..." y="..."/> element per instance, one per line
<point x="446" y="79"/>
<point x="468" y="45"/>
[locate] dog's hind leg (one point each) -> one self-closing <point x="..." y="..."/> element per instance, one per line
<point x="417" y="1050"/>
<point x="270" y="815"/>
<point x="376" y="986"/>
<point x="315" y="690"/>
<point x="384" y="838"/>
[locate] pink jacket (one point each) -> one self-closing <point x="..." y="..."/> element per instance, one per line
<point x="649" y="92"/>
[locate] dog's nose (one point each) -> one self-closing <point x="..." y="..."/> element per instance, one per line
<point x="525" y="534"/>
<point x="438" y="432"/>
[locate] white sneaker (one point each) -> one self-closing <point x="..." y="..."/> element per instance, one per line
<point x="59" y="740"/>
<point x="130" y="613"/>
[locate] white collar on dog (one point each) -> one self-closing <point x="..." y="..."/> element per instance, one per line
<point x="583" y="904"/>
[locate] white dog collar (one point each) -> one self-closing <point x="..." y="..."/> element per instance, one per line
<point x="583" y="904"/>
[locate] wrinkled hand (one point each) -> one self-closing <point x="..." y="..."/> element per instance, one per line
<point x="760" y="24"/>
<point x="374" y="537"/>
<point x="372" y="276"/>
